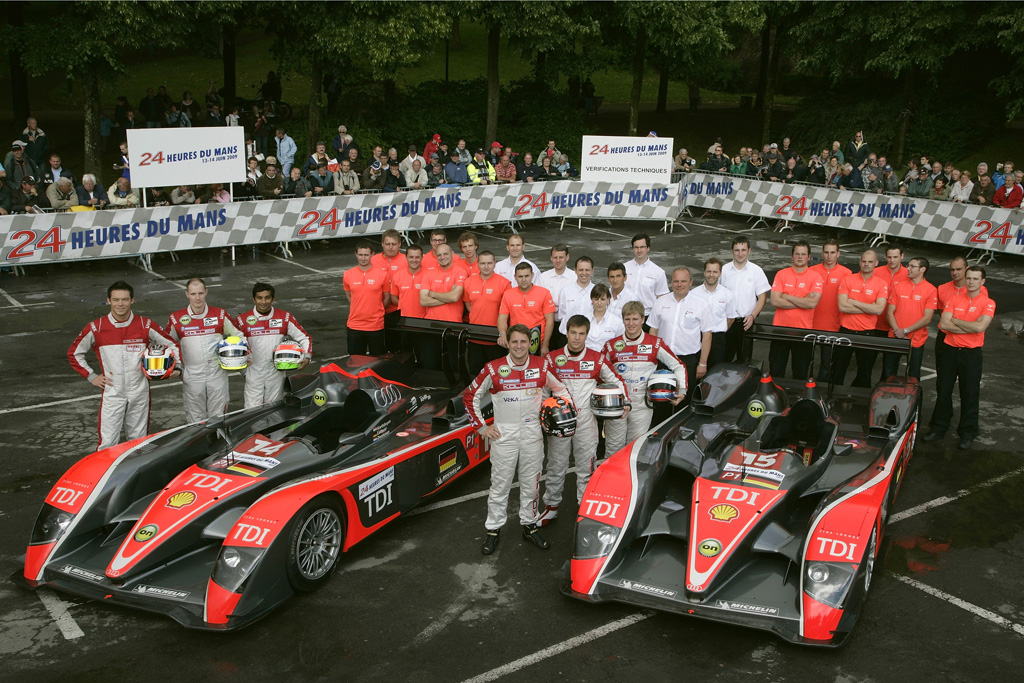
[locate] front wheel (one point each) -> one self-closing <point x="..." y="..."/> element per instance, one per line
<point x="869" y="559"/>
<point x="315" y="544"/>
<point x="283" y="111"/>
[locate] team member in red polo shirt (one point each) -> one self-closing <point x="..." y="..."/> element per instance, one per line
<point x="964" y="319"/>
<point x="441" y="295"/>
<point x="947" y="290"/>
<point x="366" y="288"/>
<point x="390" y="259"/>
<point x="469" y="245"/>
<point x="912" y="303"/>
<point x="795" y="294"/>
<point x="894" y="271"/>
<point x="826" y="313"/>
<point x="437" y="238"/>
<point x="862" y="298"/>
<point x="406" y="283"/>
<point x="529" y="305"/>
<point x="482" y="295"/>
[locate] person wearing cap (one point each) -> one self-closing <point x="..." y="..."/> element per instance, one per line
<point x="346" y="181"/>
<point x="271" y="184"/>
<point x="432" y="147"/>
<point x="316" y="157"/>
<point x="774" y="168"/>
<point x="406" y="164"/>
<point x="121" y="194"/>
<point x="416" y="177"/>
<point x="373" y="176"/>
<point x="890" y="181"/>
<point x="922" y="185"/>
<point x="494" y="155"/>
<point x="456" y="169"/>
<point x="652" y="133"/>
<point x="435" y="173"/>
<point x="27" y="198"/>
<point x="394" y="180"/>
<point x="61" y="195"/>
<point x="442" y="152"/>
<point x="18" y="165"/>
<point x="505" y="170"/>
<point x="481" y="171"/>
<point x="872" y="182"/>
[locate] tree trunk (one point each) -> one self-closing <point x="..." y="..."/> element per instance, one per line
<point x="539" y="67"/>
<point x="493" y="92"/>
<point x="905" y="103"/>
<point x="316" y="82"/>
<point x="390" y="89"/>
<point x="19" y="77"/>
<point x="639" y="52"/>
<point x="769" y="87"/>
<point x="91" y="127"/>
<point x="762" y="73"/>
<point x="229" y="61"/>
<point x="662" y="90"/>
<point x="456" y="35"/>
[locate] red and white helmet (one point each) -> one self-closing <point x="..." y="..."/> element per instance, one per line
<point x="288" y="356"/>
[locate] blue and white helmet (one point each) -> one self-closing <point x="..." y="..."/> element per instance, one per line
<point x="662" y="385"/>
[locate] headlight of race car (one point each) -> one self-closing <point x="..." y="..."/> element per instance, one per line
<point x="593" y="539"/>
<point x="235" y="565"/>
<point x="827" y="582"/>
<point x="50" y="525"/>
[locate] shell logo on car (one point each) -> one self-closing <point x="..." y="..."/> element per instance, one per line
<point x="181" y="499"/>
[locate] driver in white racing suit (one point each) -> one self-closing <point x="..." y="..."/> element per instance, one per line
<point x="266" y="327"/>
<point x="580" y="369"/>
<point x="516" y="386"/>
<point x="119" y="340"/>
<point x="199" y="328"/>
<point x="634" y="356"/>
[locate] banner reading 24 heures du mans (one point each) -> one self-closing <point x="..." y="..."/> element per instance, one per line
<point x="129" y="232"/>
<point x="909" y="218"/>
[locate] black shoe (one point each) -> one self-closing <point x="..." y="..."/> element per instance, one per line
<point x="531" y="533"/>
<point x="490" y="542"/>
<point x="932" y="436"/>
<point x="966" y="443"/>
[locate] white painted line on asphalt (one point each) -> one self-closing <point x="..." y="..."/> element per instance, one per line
<point x="504" y="240"/>
<point x="607" y="232"/>
<point x="962" y="604"/>
<point x="14" y="302"/>
<point x="582" y="639"/>
<point x="59" y="611"/>
<point x="473" y="587"/>
<point x="712" y="227"/>
<point x="461" y="499"/>
<point x="942" y="500"/>
<point x="289" y="261"/>
<point x="75" y="400"/>
<point x="161" y="277"/>
<point x="22" y="307"/>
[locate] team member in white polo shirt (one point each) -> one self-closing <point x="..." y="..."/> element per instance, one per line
<point x="575" y="296"/>
<point x="554" y="281"/>
<point x="648" y="280"/>
<point x="507" y="267"/>
<point x="750" y="286"/>
<point x="621" y="291"/>
<point x="604" y="325"/>
<point x="684" y="322"/>
<point x="721" y="308"/>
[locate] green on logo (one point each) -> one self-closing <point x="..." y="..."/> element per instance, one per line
<point x="710" y="547"/>
<point x="147" y="532"/>
<point x="504" y="371"/>
<point x="319" y="397"/>
<point x="185" y="319"/>
<point x="619" y="345"/>
<point x="756" y="409"/>
<point x="561" y="360"/>
<point x="535" y="340"/>
<point x="251" y="320"/>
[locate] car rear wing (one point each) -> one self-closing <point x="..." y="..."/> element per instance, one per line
<point x="454" y="342"/>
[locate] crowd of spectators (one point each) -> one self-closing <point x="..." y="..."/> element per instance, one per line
<point x="858" y="167"/>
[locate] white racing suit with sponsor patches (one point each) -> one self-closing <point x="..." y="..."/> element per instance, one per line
<point x="119" y="348"/>
<point x="580" y="374"/>
<point x="264" y="383"/>
<point x="204" y="382"/>
<point x="516" y="394"/>
<point x="634" y="360"/>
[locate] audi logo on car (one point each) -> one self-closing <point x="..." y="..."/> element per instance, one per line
<point x="828" y="339"/>
<point x="387" y="395"/>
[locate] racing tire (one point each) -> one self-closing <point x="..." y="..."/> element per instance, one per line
<point x="283" y="111"/>
<point x="315" y="544"/>
<point x="870" y="560"/>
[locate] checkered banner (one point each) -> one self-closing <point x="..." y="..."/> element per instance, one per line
<point x="128" y="232"/>
<point x="968" y="225"/>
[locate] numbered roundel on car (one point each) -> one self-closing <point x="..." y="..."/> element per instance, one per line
<point x="233" y="353"/>
<point x="158" y="361"/>
<point x="288" y="356"/>
<point x="557" y="417"/>
<point x="608" y="400"/>
<point x="662" y="385"/>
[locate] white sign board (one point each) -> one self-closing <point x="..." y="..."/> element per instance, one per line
<point x="163" y="157"/>
<point x="607" y="158"/>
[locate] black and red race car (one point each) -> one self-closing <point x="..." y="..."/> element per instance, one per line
<point x="763" y="503"/>
<point x="215" y="524"/>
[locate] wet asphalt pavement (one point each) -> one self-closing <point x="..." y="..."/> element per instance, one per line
<point x="417" y="601"/>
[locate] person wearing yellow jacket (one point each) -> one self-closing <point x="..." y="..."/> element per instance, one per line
<point x="481" y="171"/>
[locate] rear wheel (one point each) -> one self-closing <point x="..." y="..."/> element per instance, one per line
<point x="869" y="559"/>
<point x="315" y="543"/>
<point x="283" y="110"/>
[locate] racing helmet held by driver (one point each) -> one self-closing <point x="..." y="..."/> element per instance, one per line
<point x="557" y="417"/>
<point x="288" y="356"/>
<point x="662" y="385"/>
<point x="158" y="361"/>
<point x="608" y="400"/>
<point x="233" y="353"/>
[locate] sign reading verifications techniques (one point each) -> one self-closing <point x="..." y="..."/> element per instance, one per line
<point x="164" y="157"/>
<point x="626" y="160"/>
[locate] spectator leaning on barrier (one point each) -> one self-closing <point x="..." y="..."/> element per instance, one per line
<point x="480" y="171"/>
<point x="157" y="196"/>
<point x="406" y="163"/>
<point x="527" y="170"/>
<point x="984" y="191"/>
<point x="62" y="195"/>
<point x="565" y="169"/>
<point x="26" y="199"/>
<point x="416" y="177"/>
<point x="271" y="184"/>
<point x="505" y="170"/>
<point x="456" y="169"/>
<point x="393" y="179"/>
<point x="922" y="185"/>
<point x="373" y="176"/>
<point x="296" y="185"/>
<point x="90" y="193"/>
<point x="345" y="179"/>
<point x="435" y="174"/>
<point x="121" y="194"/>
<point x="939" y="190"/>
<point x="183" y="194"/>
<point x="1009" y="195"/>
<point x="322" y="182"/>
